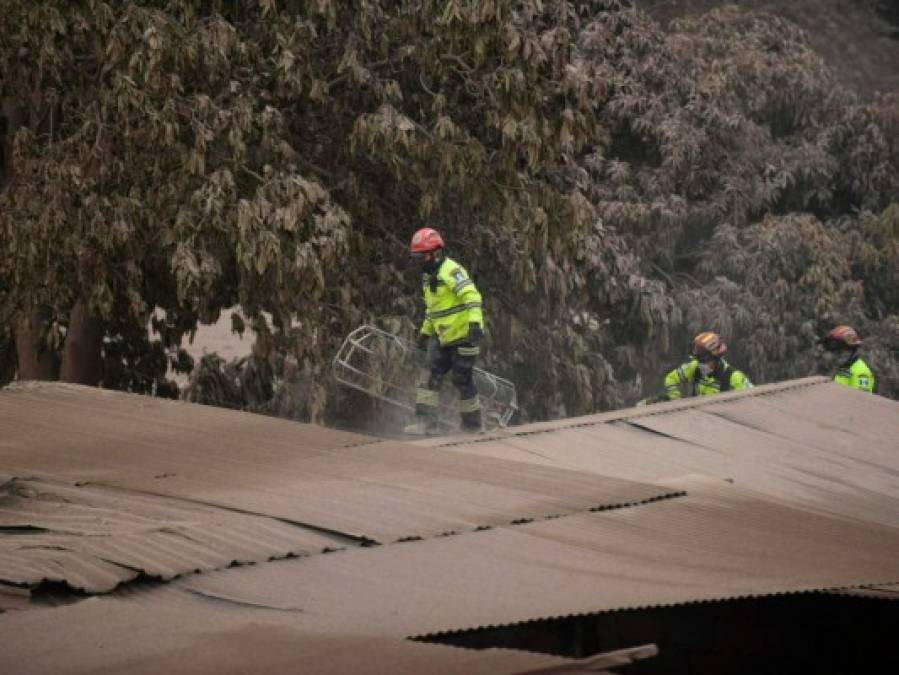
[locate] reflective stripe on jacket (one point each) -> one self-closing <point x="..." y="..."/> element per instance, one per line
<point x="857" y="375"/>
<point x="452" y="302"/>
<point x="686" y="380"/>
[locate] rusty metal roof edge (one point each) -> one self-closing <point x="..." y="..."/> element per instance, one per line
<point x="673" y="493"/>
<point x="142" y="576"/>
<point x="838" y="590"/>
<point x="662" y="408"/>
<point x="662" y="493"/>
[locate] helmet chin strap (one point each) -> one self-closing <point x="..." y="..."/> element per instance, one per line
<point x="432" y="261"/>
<point x="845" y="357"/>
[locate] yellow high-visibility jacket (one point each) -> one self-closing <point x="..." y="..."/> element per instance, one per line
<point x="857" y="375"/>
<point x="686" y="380"/>
<point x="452" y="302"/>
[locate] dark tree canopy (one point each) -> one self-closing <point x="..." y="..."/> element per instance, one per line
<point x="613" y="187"/>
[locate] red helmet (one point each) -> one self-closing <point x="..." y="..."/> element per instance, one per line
<point x="841" y="337"/>
<point x="708" y="344"/>
<point x="426" y="240"/>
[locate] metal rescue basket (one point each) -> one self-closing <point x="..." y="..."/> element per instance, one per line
<point x="387" y="367"/>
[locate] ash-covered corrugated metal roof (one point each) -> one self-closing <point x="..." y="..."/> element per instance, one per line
<point x="716" y="543"/>
<point x="254" y="488"/>
<point x="783" y="526"/>
<point x="811" y="441"/>
<point x="170" y="632"/>
<point x="719" y="542"/>
<point x="93" y="538"/>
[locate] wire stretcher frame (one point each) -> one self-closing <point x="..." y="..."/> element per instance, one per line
<point x="369" y="358"/>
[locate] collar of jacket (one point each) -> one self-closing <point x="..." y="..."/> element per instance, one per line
<point x="851" y="358"/>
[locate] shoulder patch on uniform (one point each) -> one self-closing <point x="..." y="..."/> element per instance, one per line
<point x="458" y="274"/>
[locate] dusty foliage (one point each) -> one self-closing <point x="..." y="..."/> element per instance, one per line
<point x="613" y="188"/>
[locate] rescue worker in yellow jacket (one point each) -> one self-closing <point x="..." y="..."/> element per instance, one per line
<point x="843" y="342"/>
<point x="706" y="372"/>
<point x="450" y="334"/>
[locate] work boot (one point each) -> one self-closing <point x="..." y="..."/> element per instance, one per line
<point x="471" y="422"/>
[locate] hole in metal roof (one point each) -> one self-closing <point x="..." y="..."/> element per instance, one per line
<point x="816" y="632"/>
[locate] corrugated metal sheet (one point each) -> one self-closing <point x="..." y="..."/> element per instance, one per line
<point x="93" y="538"/>
<point x="332" y="480"/>
<point x="812" y="441"/>
<point x="165" y="632"/>
<point x="350" y="610"/>
<point x="719" y="542"/>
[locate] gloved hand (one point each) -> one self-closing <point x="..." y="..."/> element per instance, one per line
<point x="475" y="334"/>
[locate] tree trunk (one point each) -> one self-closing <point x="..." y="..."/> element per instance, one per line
<point x="82" y="359"/>
<point x="11" y="118"/>
<point x="7" y="358"/>
<point x="36" y="361"/>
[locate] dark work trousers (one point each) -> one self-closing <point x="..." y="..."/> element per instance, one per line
<point x="459" y="360"/>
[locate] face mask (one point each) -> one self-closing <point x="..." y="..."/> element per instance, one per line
<point x="829" y="358"/>
<point x="836" y="359"/>
<point x="706" y="368"/>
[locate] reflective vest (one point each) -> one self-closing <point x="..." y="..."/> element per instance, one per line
<point x="686" y="380"/>
<point x="452" y="302"/>
<point x="856" y="374"/>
